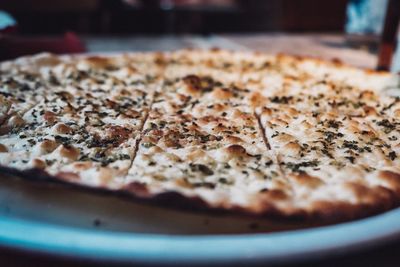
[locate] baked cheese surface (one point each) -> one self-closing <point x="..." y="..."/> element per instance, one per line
<point x="271" y="135"/>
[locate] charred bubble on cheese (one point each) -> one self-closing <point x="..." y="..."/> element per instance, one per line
<point x="15" y="122"/>
<point x="3" y="148"/>
<point x="5" y="106"/>
<point x="48" y="146"/>
<point x="236" y="150"/>
<point x="70" y="152"/>
<point x="61" y="128"/>
<point x="38" y="164"/>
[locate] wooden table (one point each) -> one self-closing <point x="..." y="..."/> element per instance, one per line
<point x="324" y="46"/>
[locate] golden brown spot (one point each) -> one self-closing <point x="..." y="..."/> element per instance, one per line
<point x="266" y="112"/>
<point x="61" y="128"/>
<point x="392" y="178"/>
<point x="368" y="133"/>
<point x="257" y="100"/>
<point x="220" y="128"/>
<point x="236" y="150"/>
<point x="193" y="84"/>
<point x="111" y="104"/>
<point x="222" y="93"/>
<point x="234" y="139"/>
<point x="66" y="95"/>
<point x="284" y="138"/>
<point x="5" y="106"/>
<point x="170" y="140"/>
<point x="285" y="117"/>
<point x="275" y="194"/>
<point x="118" y="134"/>
<point x="69" y="152"/>
<point x="160" y="59"/>
<point x="48" y="60"/>
<point x="130" y="114"/>
<point x="49" y="116"/>
<point x="196" y="154"/>
<point x="157" y="133"/>
<point x="68" y="176"/>
<point x="207" y="119"/>
<point x="331" y="115"/>
<point x="99" y="62"/>
<point x="105" y="175"/>
<point x="279" y="122"/>
<point x="292" y="149"/>
<point x="183" y="183"/>
<point x="307" y="180"/>
<point x="396" y="113"/>
<point x="370" y="111"/>
<point x="239" y="114"/>
<point x="16" y="121"/>
<point x="83" y="165"/>
<point x="306" y="125"/>
<point x="130" y="70"/>
<point x="149" y="139"/>
<point x="139" y="189"/>
<point x="367" y="95"/>
<point x="219" y="107"/>
<point x="3" y="148"/>
<point x="173" y="157"/>
<point x="155" y="149"/>
<point x="38" y="163"/>
<point x="293" y="112"/>
<point x="359" y="190"/>
<point x="48" y="146"/>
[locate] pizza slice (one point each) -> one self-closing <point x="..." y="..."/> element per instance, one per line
<point x="85" y="130"/>
<point x="201" y="141"/>
<point x="333" y="161"/>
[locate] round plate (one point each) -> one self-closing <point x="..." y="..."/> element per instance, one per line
<point x="46" y="219"/>
<point x="179" y="249"/>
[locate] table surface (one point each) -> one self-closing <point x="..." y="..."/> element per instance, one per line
<point x="319" y="45"/>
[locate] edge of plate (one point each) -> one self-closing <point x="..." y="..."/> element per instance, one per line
<point x="179" y="249"/>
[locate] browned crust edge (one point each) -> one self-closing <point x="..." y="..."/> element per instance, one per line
<point x="326" y="212"/>
<point x="333" y="61"/>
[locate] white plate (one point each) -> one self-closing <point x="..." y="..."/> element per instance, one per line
<point x="50" y="219"/>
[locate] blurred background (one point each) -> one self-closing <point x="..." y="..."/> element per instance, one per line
<point x="62" y="26"/>
<point x="175" y="16"/>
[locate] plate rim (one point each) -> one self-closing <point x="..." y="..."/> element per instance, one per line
<point x="282" y="247"/>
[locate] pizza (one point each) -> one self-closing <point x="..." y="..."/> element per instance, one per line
<point x="277" y="136"/>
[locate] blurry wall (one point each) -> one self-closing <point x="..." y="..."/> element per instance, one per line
<point x="175" y="16"/>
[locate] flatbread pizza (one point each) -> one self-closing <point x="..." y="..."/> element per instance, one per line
<point x="266" y="135"/>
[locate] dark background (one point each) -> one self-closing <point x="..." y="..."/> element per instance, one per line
<point x="175" y="16"/>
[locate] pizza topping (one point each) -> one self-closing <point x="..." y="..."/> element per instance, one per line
<point x="200" y="84"/>
<point x="201" y="168"/>
<point x="392" y="155"/>
<point x="281" y="100"/>
<point x="244" y="131"/>
<point x="297" y="167"/>
<point x="387" y="126"/>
